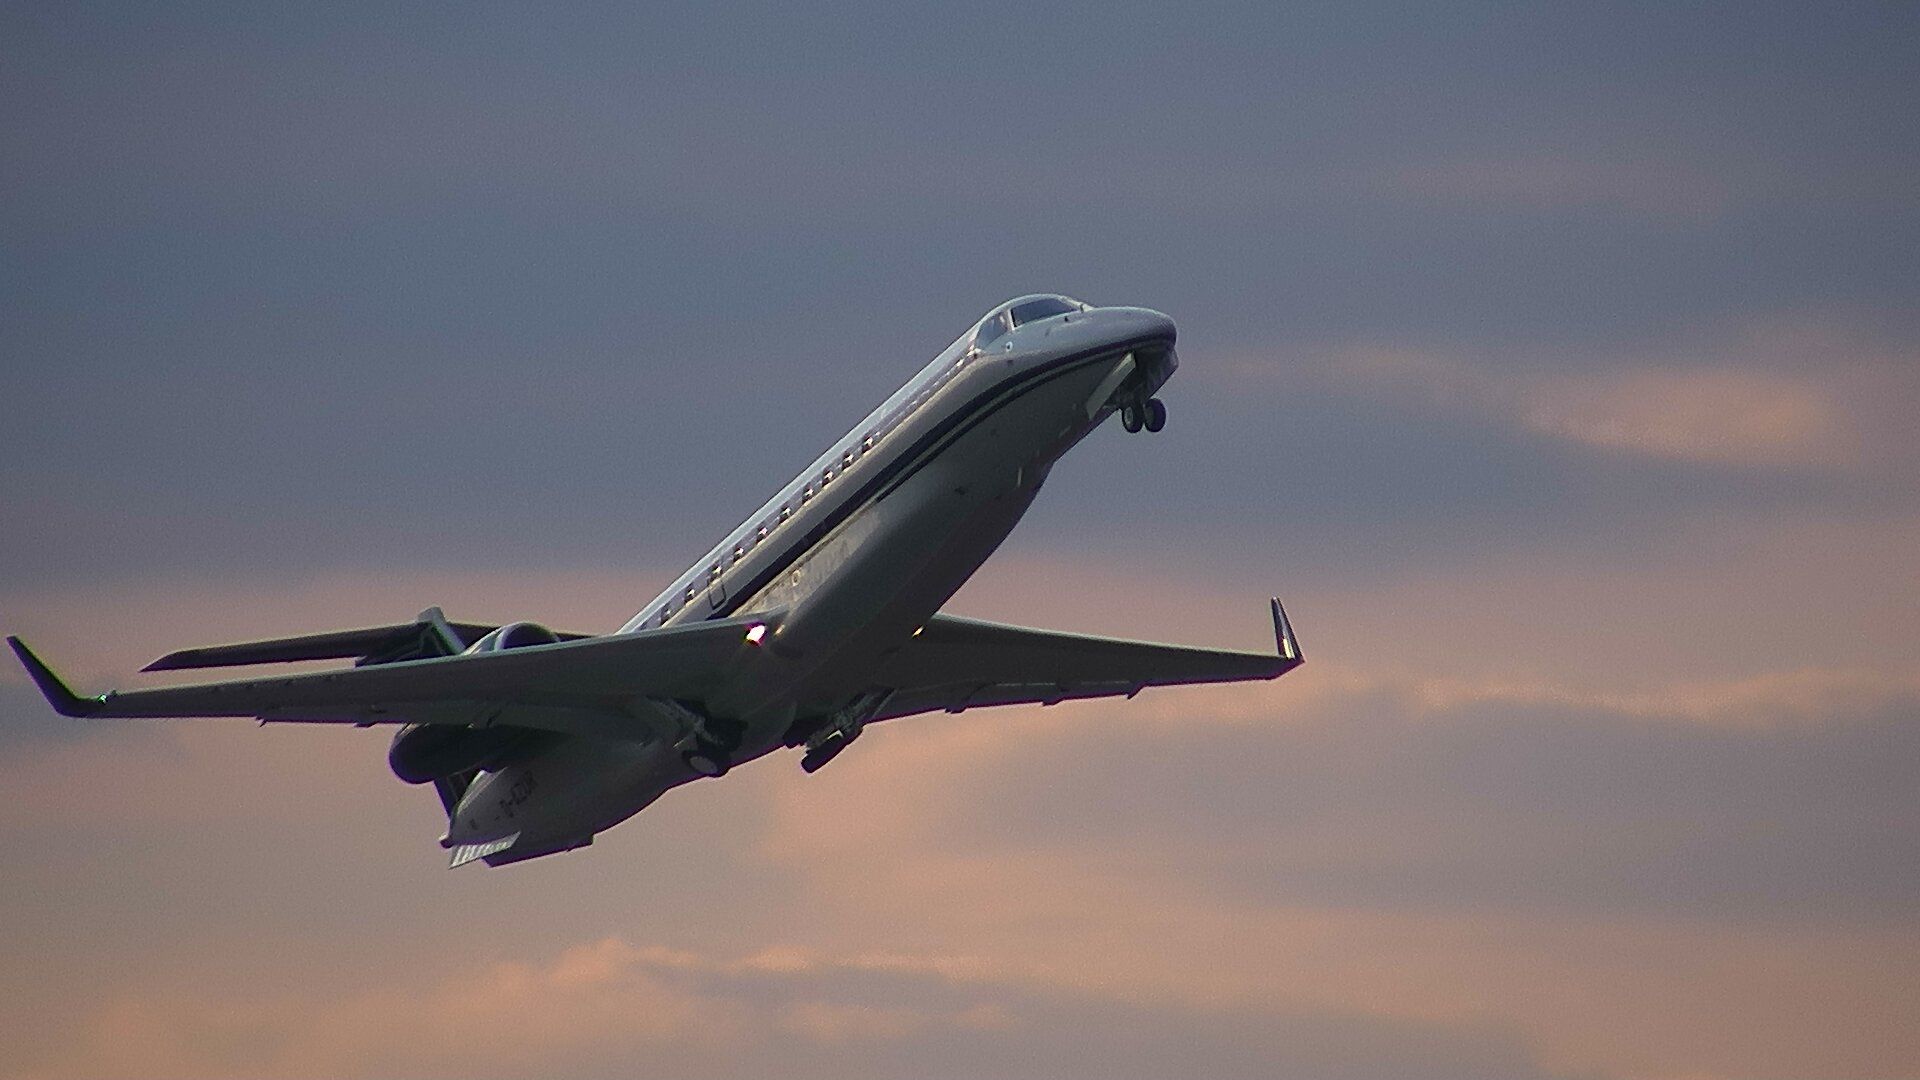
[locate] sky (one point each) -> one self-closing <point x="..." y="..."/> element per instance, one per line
<point x="1556" y="364"/>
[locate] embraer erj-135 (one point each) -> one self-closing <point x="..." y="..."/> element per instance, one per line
<point x="818" y="615"/>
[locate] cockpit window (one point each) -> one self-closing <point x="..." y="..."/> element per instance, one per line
<point x="1044" y="308"/>
<point x="991" y="330"/>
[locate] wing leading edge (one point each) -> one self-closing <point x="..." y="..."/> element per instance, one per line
<point x="956" y="664"/>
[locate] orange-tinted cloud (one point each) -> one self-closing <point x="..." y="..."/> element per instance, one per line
<point x="608" y="1005"/>
<point x="1724" y="415"/>
<point x="1806" y="394"/>
<point x="1533" y="816"/>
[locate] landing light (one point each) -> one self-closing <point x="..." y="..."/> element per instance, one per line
<point x="756" y="632"/>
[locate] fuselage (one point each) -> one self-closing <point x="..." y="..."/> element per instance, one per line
<point x="850" y="557"/>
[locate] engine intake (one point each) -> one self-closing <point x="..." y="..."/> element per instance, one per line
<point x="514" y="635"/>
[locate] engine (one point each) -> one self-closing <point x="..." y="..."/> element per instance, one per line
<point x="514" y="635"/>
<point x="424" y="752"/>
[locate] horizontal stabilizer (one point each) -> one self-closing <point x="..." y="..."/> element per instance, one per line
<point x="373" y="645"/>
<point x="466" y="853"/>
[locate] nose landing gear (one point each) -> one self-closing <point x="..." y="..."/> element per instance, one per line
<point x="1150" y="414"/>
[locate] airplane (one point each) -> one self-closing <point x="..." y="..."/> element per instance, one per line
<point x="814" y="618"/>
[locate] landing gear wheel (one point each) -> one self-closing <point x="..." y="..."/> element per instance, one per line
<point x="1132" y="417"/>
<point x="1156" y="417"/>
<point x="707" y="760"/>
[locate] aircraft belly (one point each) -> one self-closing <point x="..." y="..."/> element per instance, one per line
<point x="560" y="797"/>
<point x="864" y="590"/>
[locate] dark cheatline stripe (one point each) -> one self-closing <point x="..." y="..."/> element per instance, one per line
<point x="897" y="471"/>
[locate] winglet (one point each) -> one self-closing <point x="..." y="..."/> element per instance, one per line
<point x="63" y="700"/>
<point x="1284" y="642"/>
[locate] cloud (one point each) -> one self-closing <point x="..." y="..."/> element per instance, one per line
<point x="1807" y="696"/>
<point x="1726" y="417"/>
<point x="1767" y="799"/>
<point x="1475" y="853"/>
<point x="598" y="1008"/>
<point x="1714" y="415"/>
<point x="1491" y="848"/>
<point x="1806" y="395"/>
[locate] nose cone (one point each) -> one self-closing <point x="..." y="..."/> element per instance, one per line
<point x="1134" y="324"/>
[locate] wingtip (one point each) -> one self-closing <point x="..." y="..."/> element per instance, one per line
<point x="64" y="700"/>
<point x="1284" y="641"/>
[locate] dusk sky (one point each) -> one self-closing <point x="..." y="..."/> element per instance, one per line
<point x="1559" y="366"/>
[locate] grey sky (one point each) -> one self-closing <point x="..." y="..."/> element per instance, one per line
<point x="339" y="281"/>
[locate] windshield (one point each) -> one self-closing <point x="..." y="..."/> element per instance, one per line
<point x="1044" y="308"/>
<point x="991" y="330"/>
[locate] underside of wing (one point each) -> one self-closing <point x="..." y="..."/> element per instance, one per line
<point x="956" y="664"/>
<point x="574" y="686"/>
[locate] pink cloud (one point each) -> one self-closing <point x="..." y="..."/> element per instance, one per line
<point x="1721" y="415"/>
<point x="603" y="1006"/>
<point x="1804" y="393"/>
<point x="896" y="874"/>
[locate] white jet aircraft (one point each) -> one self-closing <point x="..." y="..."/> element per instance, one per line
<point x="818" y="615"/>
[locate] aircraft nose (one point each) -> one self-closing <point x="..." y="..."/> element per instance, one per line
<point x="1130" y="323"/>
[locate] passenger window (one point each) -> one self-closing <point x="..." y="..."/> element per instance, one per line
<point x="713" y="572"/>
<point x="761" y="534"/>
<point x="826" y="476"/>
<point x="692" y="591"/>
<point x="806" y="493"/>
<point x="739" y="550"/>
<point x="846" y="459"/>
<point x="786" y="512"/>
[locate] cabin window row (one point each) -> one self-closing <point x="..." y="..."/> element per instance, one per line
<point x="693" y="588"/>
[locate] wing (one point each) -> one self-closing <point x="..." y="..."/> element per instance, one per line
<point x="956" y="664"/>
<point x="578" y="687"/>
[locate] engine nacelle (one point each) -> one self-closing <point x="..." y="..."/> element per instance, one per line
<point x="423" y="752"/>
<point x="514" y="635"/>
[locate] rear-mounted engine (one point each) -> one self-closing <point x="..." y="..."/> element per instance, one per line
<point x="515" y="635"/>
